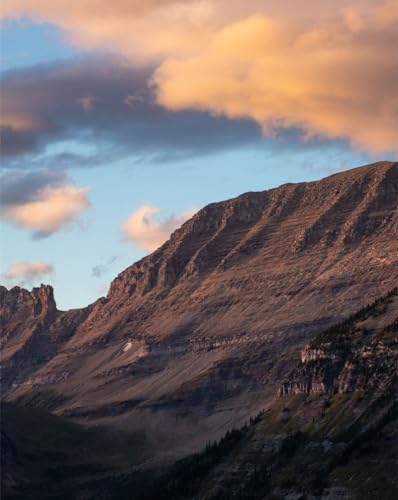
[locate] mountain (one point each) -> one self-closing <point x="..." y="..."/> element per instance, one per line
<point x="330" y="432"/>
<point x="195" y="338"/>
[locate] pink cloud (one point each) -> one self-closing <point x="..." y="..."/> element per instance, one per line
<point x="25" y="273"/>
<point x="43" y="202"/>
<point x="149" y="233"/>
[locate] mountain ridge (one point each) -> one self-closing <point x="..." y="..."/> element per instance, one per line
<point x="325" y="436"/>
<point x="381" y="167"/>
<point x="177" y="260"/>
<point x="195" y="327"/>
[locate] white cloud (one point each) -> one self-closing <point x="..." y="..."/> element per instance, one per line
<point x="25" y="273"/>
<point x="149" y="233"/>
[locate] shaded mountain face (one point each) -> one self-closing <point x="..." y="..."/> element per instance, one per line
<point x="200" y="332"/>
<point x="32" y="330"/>
<point x="45" y="456"/>
<point x="330" y="433"/>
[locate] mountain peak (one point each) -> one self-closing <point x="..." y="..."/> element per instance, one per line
<point x="328" y="215"/>
<point x="377" y="168"/>
<point x="40" y="300"/>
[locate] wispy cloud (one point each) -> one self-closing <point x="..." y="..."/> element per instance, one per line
<point x="100" y="269"/>
<point x="26" y="273"/>
<point x="147" y="231"/>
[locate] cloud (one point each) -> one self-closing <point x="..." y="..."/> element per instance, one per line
<point x="152" y="30"/>
<point x="104" y="103"/>
<point x="337" y="79"/>
<point x="222" y="72"/>
<point x="25" y="273"/>
<point x="43" y="201"/>
<point x="145" y="29"/>
<point x="17" y="189"/>
<point x="149" y="233"/>
<point x="100" y="269"/>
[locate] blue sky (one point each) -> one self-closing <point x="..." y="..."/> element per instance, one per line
<point x="111" y="166"/>
<point x="24" y="43"/>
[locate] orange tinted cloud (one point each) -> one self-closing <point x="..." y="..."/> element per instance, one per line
<point x="157" y="28"/>
<point x="338" y="79"/>
<point x="43" y="202"/>
<point x="20" y="121"/>
<point x="55" y="208"/>
<point x="148" y="29"/>
<point x="149" y="233"/>
<point x="328" y="68"/>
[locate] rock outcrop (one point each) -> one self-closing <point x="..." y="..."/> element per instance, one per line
<point x="358" y="355"/>
<point x="32" y="331"/>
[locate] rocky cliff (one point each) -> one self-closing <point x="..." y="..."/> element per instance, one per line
<point x="203" y="330"/>
<point x="359" y="354"/>
<point x="32" y="330"/>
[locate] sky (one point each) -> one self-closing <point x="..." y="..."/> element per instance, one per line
<point x="119" y="120"/>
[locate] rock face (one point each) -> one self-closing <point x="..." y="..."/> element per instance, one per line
<point x="358" y="355"/>
<point x="273" y="250"/>
<point x="203" y="330"/>
<point x="20" y="307"/>
<point x="32" y="330"/>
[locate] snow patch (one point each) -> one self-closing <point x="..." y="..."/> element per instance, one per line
<point x="128" y="346"/>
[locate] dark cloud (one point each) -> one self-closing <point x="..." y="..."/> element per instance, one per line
<point x="105" y="104"/>
<point x="16" y="142"/>
<point x="17" y="188"/>
<point x="91" y="112"/>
